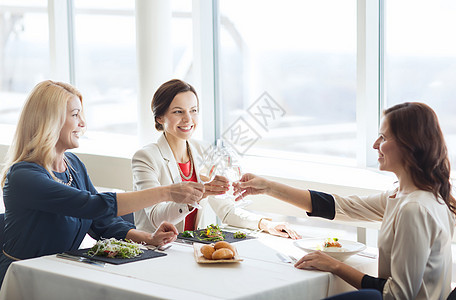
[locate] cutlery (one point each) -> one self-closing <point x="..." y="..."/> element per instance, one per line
<point x="286" y="258"/>
<point x="185" y="242"/>
<point x="81" y="259"/>
<point x="161" y="248"/>
<point x="150" y="247"/>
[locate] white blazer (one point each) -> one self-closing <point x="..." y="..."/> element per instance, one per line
<point x="154" y="165"/>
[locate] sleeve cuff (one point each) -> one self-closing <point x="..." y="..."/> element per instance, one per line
<point x="369" y="282"/>
<point x="323" y="205"/>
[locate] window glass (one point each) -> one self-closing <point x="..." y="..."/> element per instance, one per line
<point x="24" y="53"/>
<point x="182" y="39"/>
<point x="105" y="50"/>
<point x="420" y="57"/>
<point x="298" y="57"/>
<point x="105" y="65"/>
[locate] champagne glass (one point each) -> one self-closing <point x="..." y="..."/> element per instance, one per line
<point x="234" y="174"/>
<point x="230" y="168"/>
<point x="208" y="167"/>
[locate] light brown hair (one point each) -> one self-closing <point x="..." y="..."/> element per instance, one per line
<point x="416" y="128"/>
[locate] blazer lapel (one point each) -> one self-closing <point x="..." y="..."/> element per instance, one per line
<point x="169" y="159"/>
<point x="196" y="160"/>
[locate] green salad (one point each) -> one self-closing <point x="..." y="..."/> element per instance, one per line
<point x="188" y="233"/>
<point x="114" y="248"/>
<point x="239" y="235"/>
<point x="212" y="233"/>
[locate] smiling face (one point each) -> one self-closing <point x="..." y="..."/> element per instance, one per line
<point x="72" y="128"/>
<point x="389" y="152"/>
<point x="181" y="118"/>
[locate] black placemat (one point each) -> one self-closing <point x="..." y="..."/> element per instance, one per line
<point x="117" y="261"/>
<point x="229" y="237"/>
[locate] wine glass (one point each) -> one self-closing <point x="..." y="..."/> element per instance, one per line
<point x="208" y="167"/>
<point x="230" y="167"/>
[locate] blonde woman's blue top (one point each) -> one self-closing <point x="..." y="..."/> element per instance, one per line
<point x="43" y="216"/>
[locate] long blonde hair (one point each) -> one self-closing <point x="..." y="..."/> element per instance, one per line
<point x="38" y="130"/>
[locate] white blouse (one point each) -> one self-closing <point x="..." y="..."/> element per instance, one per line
<point x="155" y="165"/>
<point x="414" y="241"/>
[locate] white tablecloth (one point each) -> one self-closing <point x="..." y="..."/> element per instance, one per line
<point x="177" y="276"/>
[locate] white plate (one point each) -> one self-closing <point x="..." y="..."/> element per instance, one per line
<point x="349" y="247"/>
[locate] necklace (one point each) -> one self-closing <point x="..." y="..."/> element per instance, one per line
<point x="191" y="166"/>
<point x="70" y="178"/>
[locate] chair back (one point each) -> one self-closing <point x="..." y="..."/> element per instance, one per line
<point x="2" y="230"/>
<point x="129" y="218"/>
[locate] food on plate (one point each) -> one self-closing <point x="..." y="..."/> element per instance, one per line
<point x="219" y="250"/>
<point x="188" y="233"/>
<point x="332" y="242"/>
<point x="207" y="251"/>
<point x="331" y="245"/>
<point x="114" y="248"/>
<point x="223" y="244"/>
<point x="239" y="235"/>
<point x="223" y="253"/>
<point x="212" y="233"/>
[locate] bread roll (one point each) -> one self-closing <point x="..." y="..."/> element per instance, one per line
<point x="207" y="251"/>
<point x="223" y="244"/>
<point x="223" y="253"/>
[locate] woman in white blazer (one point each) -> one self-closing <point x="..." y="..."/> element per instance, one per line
<point x="175" y="158"/>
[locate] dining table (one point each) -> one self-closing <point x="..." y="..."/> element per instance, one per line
<point x="266" y="271"/>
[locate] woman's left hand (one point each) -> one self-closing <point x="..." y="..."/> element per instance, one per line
<point x="164" y="234"/>
<point x="218" y="186"/>
<point x="281" y="229"/>
<point x="318" y="260"/>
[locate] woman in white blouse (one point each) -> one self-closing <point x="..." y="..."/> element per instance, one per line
<point x="417" y="217"/>
<point x="175" y="158"/>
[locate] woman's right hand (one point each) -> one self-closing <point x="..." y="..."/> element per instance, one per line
<point x="187" y="192"/>
<point x="318" y="260"/>
<point x="220" y="185"/>
<point x="165" y="233"/>
<point x="250" y="184"/>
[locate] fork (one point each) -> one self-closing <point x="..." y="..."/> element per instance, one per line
<point x="161" y="248"/>
<point x="81" y="259"/>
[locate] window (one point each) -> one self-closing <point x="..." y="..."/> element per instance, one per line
<point x="421" y="59"/>
<point x="105" y="60"/>
<point x="300" y="54"/>
<point x="303" y="55"/>
<point x="105" y="65"/>
<point x="24" y="53"/>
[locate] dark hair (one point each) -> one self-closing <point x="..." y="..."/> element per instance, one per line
<point x="416" y="128"/>
<point x="164" y="96"/>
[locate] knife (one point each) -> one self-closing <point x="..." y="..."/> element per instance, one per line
<point x="81" y="259"/>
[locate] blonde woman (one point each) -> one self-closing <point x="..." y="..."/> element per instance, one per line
<point x="174" y="158"/>
<point x="50" y="202"/>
